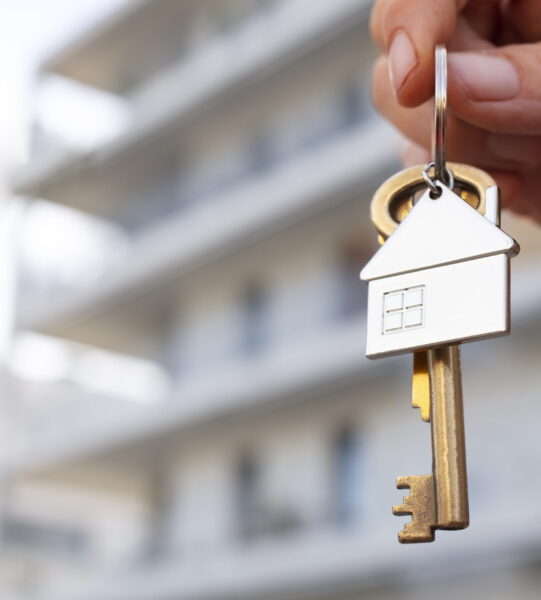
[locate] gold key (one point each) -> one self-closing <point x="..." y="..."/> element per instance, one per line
<point x="439" y="500"/>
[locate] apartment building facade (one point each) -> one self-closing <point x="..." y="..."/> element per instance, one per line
<point x="213" y="430"/>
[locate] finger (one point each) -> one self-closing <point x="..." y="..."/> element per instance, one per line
<point x="518" y="192"/>
<point x="408" y="32"/>
<point x="484" y="17"/>
<point x="529" y="196"/>
<point x="465" y="142"/>
<point x="465" y="37"/>
<point x="525" y="18"/>
<point x="511" y="185"/>
<point x="413" y="154"/>
<point x="416" y="123"/>
<point x="498" y="89"/>
<point x="521" y="193"/>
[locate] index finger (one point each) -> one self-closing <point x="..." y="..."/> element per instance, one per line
<point x="408" y="31"/>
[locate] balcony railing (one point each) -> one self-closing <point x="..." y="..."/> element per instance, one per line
<point x="332" y="352"/>
<point x="326" y="563"/>
<point x="328" y="354"/>
<point x="179" y="95"/>
<point x="349" y="163"/>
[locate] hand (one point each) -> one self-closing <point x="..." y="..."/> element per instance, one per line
<point x="494" y="85"/>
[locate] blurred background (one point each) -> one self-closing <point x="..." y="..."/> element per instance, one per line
<point x="185" y="410"/>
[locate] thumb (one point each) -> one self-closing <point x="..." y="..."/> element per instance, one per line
<point x="408" y="32"/>
<point x="499" y="89"/>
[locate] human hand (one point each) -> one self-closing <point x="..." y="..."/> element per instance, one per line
<point x="494" y="85"/>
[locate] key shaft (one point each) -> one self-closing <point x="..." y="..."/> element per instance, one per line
<point x="448" y="442"/>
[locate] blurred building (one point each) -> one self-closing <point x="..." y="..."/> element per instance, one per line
<point x="190" y="415"/>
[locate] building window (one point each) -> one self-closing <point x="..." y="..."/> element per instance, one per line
<point x="254" y="317"/>
<point x="352" y="297"/>
<point x="258" y="517"/>
<point x="229" y="17"/>
<point x="345" y="476"/>
<point x="247" y="484"/>
<point x="261" y="153"/>
<point x="403" y="309"/>
<point x="161" y="507"/>
<point x="42" y="537"/>
<point x="265" y="5"/>
<point x="351" y="105"/>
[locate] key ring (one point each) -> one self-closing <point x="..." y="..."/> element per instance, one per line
<point x="433" y="183"/>
<point x="439" y="134"/>
<point x="439" y="139"/>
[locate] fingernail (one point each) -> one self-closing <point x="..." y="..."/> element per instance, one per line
<point x="485" y="77"/>
<point x="402" y="60"/>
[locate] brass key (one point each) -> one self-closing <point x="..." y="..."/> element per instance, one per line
<point x="439" y="500"/>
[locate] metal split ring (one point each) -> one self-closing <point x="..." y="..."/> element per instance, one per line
<point x="439" y="134"/>
<point x="449" y="181"/>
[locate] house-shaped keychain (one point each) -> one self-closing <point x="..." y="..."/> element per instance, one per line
<point x="441" y="278"/>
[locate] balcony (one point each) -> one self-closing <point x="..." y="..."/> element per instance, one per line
<point x="329" y="355"/>
<point x="350" y="163"/>
<point x="324" y="564"/>
<point x="100" y="424"/>
<point x="231" y="63"/>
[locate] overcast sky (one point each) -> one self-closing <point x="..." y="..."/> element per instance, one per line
<point x="30" y="30"/>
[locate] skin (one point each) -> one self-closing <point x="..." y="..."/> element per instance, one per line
<point x="502" y="136"/>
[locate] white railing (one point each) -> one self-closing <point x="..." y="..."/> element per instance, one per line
<point x="326" y="562"/>
<point x="183" y="90"/>
<point x="351" y="163"/>
<point x="332" y="354"/>
<point x="329" y="356"/>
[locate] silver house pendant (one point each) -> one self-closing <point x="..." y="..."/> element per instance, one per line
<point x="441" y="278"/>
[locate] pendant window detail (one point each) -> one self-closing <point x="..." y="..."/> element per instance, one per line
<point x="403" y="309"/>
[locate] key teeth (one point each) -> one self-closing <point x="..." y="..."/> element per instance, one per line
<point x="403" y="483"/>
<point x="420" y="505"/>
<point x="401" y="511"/>
<point x="409" y="537"/>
